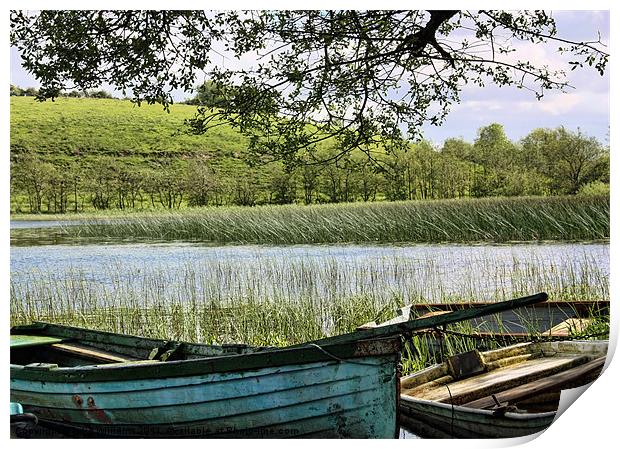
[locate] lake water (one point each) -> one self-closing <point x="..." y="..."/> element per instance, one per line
<point x="429" y="271"/>
<point x="34" y="224"/>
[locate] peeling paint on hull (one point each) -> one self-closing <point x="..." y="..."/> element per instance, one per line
<point x="329" y="399"/>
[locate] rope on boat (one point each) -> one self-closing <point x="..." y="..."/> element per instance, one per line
<point x="442" y="351"/>
<point x="452" y="408"/>
<point x="338" y="359"/>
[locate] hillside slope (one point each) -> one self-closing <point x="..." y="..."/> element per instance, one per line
<point x="94" y="127"/>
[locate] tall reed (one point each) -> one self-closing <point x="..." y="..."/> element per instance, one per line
<point x="464" y="220"/>
<point x="279" y="303"/>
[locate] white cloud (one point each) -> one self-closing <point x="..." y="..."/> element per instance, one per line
<point x="561" y="103"/>
<point x="537" y="54"/>
<point x="479" y="106"/>
<point x="556" y="104"/>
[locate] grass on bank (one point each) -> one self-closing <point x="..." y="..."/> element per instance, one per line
<point x="463" y="220"/>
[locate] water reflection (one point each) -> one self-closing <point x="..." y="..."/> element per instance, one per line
<point x="33" y="224"/>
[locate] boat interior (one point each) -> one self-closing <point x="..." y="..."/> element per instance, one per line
<point x="553" y="318"/>
<point x="525" y="377"/>
<point x="62" y="346"/>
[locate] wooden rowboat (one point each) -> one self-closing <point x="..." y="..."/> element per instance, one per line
<point x="543" y="319"/>
<point x="508" y="392"/>
<point x="90" y="383"/>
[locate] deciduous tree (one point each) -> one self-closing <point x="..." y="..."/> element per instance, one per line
<point x="357" y="77"/>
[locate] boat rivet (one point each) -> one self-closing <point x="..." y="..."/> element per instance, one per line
<point x="90" y="401"/>
<point x="77" y="399"/>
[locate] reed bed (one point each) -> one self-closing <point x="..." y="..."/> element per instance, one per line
<point x="282" y="302"/>
<point x="410" y="274"/>
<point x="462" y="220"/>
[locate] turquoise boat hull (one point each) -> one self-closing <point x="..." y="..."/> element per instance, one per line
<point x="307" y="392"/>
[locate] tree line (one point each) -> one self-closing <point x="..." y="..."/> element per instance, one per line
<point x="16" y="91"/>
<point x="545" y="162"/>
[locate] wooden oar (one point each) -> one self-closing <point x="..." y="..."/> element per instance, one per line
<point x="431" y="321"/>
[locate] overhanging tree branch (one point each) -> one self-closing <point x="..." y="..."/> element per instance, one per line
<point x="346" y="79"/>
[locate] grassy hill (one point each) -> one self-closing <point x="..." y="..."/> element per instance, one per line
<point x="87" y="127"/>
<point x="111" y="139"/>
<point x="81" y="154"/>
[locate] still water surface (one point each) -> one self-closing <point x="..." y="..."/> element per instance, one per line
<point x="430" y="271"/>
<point x="35" y="224"/>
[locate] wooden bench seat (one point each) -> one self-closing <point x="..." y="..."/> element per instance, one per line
<point x="571" y="378"/>
<point x="476" y="387"/>
<point x="95" y="354"/>
<point x="67" y="346"/>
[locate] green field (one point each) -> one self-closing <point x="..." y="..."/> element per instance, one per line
<point x="87" y="127"/>
<point x="70" y="150"/>
<point x="85" y="154"/>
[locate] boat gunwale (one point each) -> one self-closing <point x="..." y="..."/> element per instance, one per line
<point x="545" y="349"/>
<point x="524" y="416"/>
<point x="72" y="332"/>
<point x="271" y="357"/>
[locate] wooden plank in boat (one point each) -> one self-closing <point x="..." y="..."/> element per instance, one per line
<point x="564" y="328"/>
<point x="91" y="353"/>
<point x="475" y="387"/>
<point x="435" y="313"/>
<point x="555" y="382"/>
<point x="24" y="341"/>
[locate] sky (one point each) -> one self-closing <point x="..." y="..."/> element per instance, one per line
<point x="584" y="106"/>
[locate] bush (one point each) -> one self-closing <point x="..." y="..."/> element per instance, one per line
<point x="594" y="188"/>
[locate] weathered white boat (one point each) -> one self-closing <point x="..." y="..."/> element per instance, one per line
<point x="549" y="318"/>
<point x="508" y="392"/>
